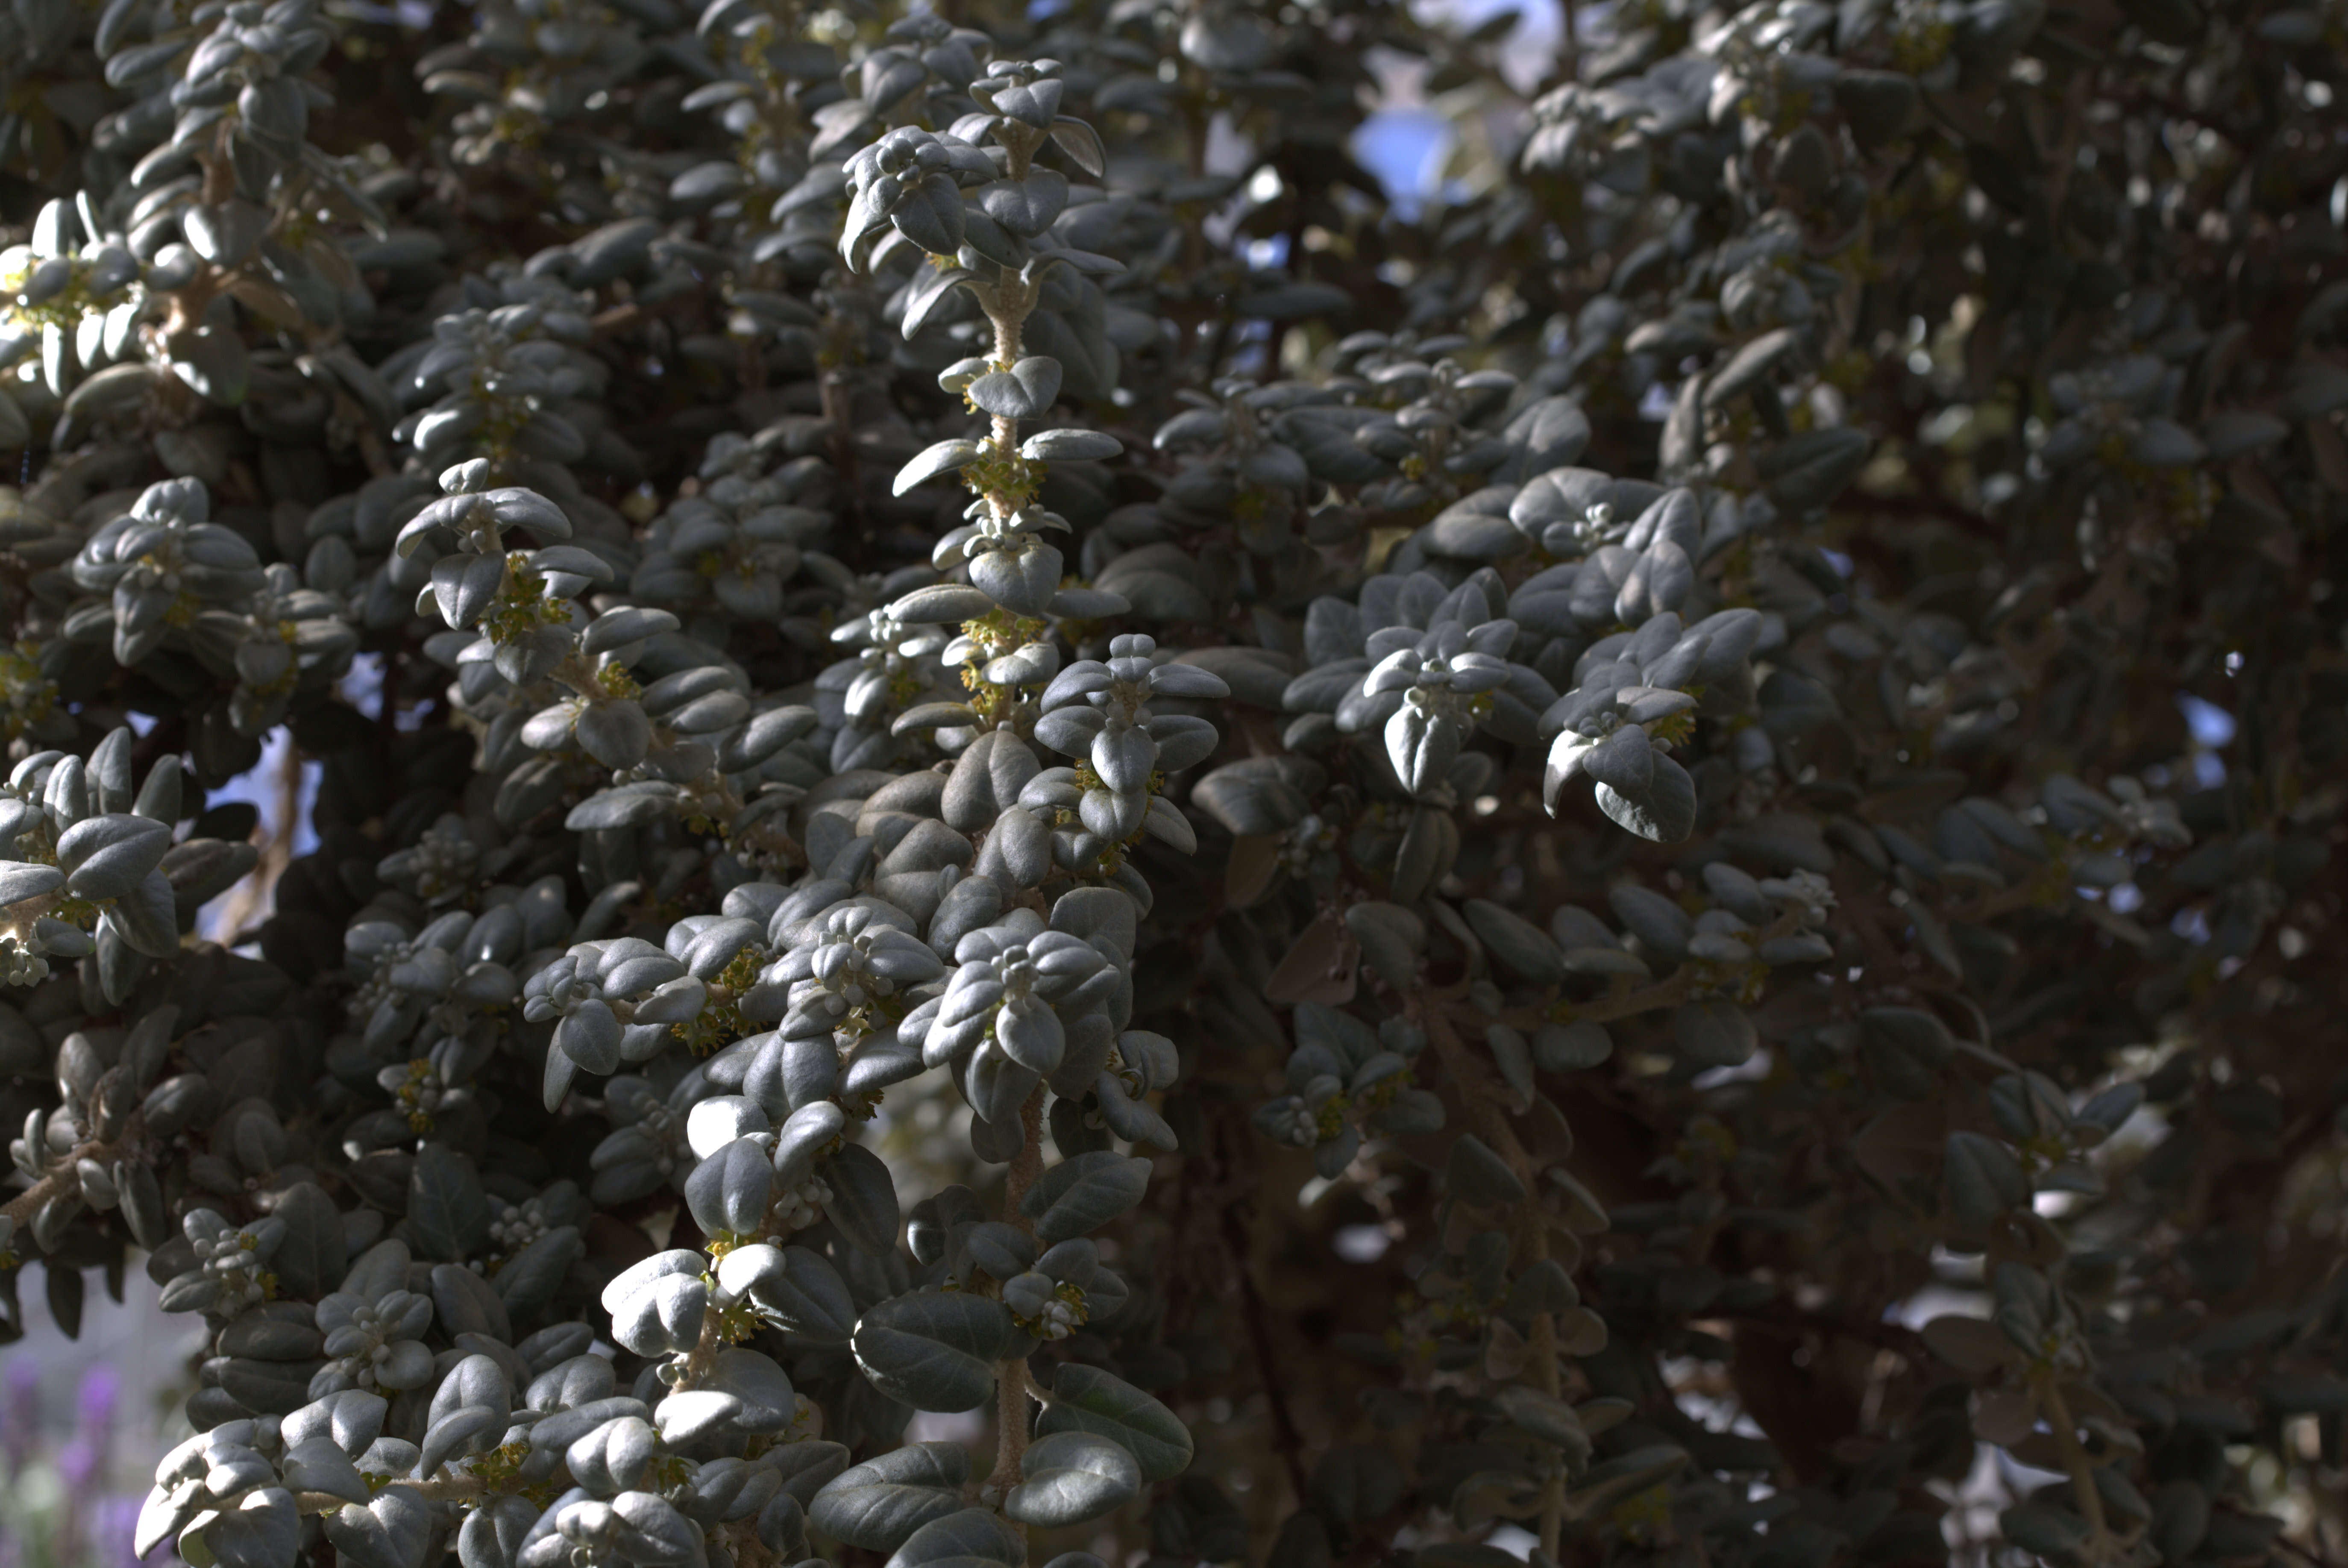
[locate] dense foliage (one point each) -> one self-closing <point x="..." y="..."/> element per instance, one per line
<point x="1628" y="859"/>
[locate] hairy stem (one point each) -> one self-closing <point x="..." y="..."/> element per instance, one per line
<point x="1286" y="1438"/>
<point x="2081" y="1470"/>
<point x="1012" y="1384"/>
<point x="448" y="1486"/>
<point x="704" y="1356"/>
<point x="61" y="1175"/>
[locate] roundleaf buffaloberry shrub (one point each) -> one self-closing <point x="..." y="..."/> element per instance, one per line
<point x="1046" y="832"/>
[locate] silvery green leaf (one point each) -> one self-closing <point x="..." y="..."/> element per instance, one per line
<point x="987" y="241"/>
<point x="766" y="733"/>
<point x="1085" y="1194"/>
<point x="352" y="1419"/>
<point x="213" y="362"/>
<point x="1622" y="1476"/>
<point x="928" y="290"/>
<point x="467" y="1302"/>
<point x="879" y="1504"/>
<point x="1080" y="142"/>
<point x="612" y="1455"/>
<point x="494" y="1531"/>
<point x="718" y="1121"/>
<point x="781" y="1526"/>
<point x="1984" y="1179"/>
<point x="465" y="586"/>
<point x="1568" y="1047"/>
<point x="147" y="917"/>
<point x="1250" y="801"/>
<point x="528" y="1281"/>
<point x="24" y="880"/>
<point x="1623" y="761"/>
<point x="1070" y="1477"/>
<point x="691" y="1413"/>
<point x="1088" y="603"/>
<point x="650" y="1531"/>
<point x="656" y="1305"/>
<point x="1516" y="942"/>
<point x="143" y="1211"/>
<point x="803" y="1138"/>
<point x="864" y="1200"/>
<point x="727" y="1193"/>
<point x="1034" y="104"/>
<point x="615" y="733"/>
<point x="1807" y="470"/>
<point x="766" y="1402"/>
<point x="319" y="1465"/>
<point x="165" y="1511"/>
<point x="1713" y="1032"/>
<point x="1070" y="446"/>
<point x="460" y="1431"/>
<point x="1023" y="582"/>
<point x="629" y="806"/>
<point x="934" y="1351"/>
<point x="941" y="601"/>
<point x="312" y="1257"/>
<point x="380" y="1270"/>
<point x="1087" y="1399"/>
<point x="942" y="459"/>
<point x="1477" y="1175"/>
<point x="1166" y="823"/>
<point x="262" y="1530"/>
<point x="590" y="1035"/>
<point x="617" y="629"/>
<point x="1546" y="1416"/>
<point x="971" y="1537"/>
<point x="448" y="1213"/>
<point x="1024" y="207"/>
<point x="106" y="857"/>
<point x="109" y="771"/>
<point x="225" y="234"/>
<point x="1664" y="811"/>
<point x="1025" y="391"/>
<point x="1514" y="1058"/>
<point x="805" y="1295"/>
<point x="1430" y="843"/>
<point x="931" y="215"/>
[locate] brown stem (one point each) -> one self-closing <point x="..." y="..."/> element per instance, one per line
<point x="1011" y="1380"/>
<point x="1025" y="1165"/>
<point x="1285" y="1435"/>
<point x="749" y="1552"/>
<point x="27" y="1203"/>
<point x="1007" y="310"/>
<point x="1668" y="992"/>
<point x="838" y="393"/>
<point x="451" y="1486"/>
<point x="253" y="894"/>
<point x="704" y="1357"/>
<point x="2083" y="1479"/>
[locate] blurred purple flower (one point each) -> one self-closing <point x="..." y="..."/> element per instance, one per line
<point x="113" y="1526"/>
<point x="77" y="1462"/>
<point x="95" y="1402"/>
<point x="20" y="1412"/>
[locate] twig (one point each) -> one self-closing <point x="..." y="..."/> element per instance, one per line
<point x="1012" y="1383"/>
<point x="27" y="1203"/>
<point x="1286" y="1437"/>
